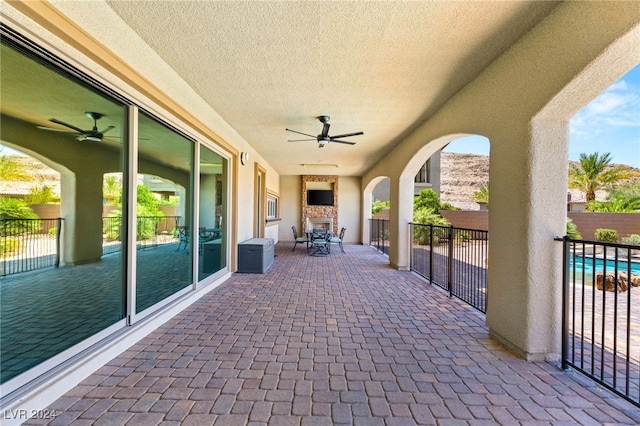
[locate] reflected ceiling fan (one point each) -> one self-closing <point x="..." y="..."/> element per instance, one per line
<point x="324" y="138"/>
<point x="92" y="135"/>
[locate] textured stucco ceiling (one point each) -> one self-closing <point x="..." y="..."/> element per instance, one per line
<point x="377" y="67"/>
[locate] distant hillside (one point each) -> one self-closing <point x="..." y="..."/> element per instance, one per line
<point x="462" y="174"/>
<point x="40" y="173"/>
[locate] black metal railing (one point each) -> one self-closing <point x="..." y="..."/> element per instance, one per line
<point x="379" y="234"/>
<point x="454" y="259"/>
<point x="29" y="244"/>
<point x="601" y="314"/>
<point x="151" y="232"/>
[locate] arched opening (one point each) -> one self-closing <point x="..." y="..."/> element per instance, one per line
<point x="464" y="171"/>
<point x="375" y="218"/>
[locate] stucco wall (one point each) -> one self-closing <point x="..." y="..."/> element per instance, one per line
<point x="349" y="200"/>
<point x="624" y="223"/>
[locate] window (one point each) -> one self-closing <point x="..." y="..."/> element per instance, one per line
<point x="423" y="176"/>
<point x="272" y="207"/>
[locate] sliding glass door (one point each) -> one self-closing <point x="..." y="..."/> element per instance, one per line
<point x="164" y="234"/>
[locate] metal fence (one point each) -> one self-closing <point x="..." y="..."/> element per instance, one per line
<point x="29" y="244"/>
<point x="379" y="234"/>
<point x="151" y="232"/>
<point x="454" y="259"/>
<point x="601" y="314"/>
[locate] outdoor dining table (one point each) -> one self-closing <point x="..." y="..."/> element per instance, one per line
<point x="318" y="250"/>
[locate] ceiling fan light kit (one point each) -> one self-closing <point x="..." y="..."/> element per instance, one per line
<point x="324" y="138"/>
<point x="93" y="135"/>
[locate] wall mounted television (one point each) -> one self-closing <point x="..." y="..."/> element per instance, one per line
<point x="319" y="197"/>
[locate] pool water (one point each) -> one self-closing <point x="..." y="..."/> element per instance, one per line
<point x="590" y="264"/>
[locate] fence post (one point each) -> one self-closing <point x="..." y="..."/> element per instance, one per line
<point x="565" y="301"/>
<point x="411" y="246"/>
<point x="58" y="229"/>
<point x="430" y="254"/>
<point x="4" y="240"/>
<point x="450" y="263"/>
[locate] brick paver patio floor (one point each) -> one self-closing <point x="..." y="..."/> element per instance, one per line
<point x="342" y="339"/>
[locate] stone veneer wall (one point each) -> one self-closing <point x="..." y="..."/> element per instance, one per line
<point x="319" y="211"/>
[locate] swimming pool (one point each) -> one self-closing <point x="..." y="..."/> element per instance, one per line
<point x="590" y="264"/>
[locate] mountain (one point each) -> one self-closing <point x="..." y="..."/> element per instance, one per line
<point x="460" y="177"/>
<point x="462" y="174"/>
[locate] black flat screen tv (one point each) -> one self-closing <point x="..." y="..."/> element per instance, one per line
<point x="319" y="197"/>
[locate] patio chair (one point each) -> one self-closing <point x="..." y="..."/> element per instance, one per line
<point x="320" y="243"/>
<point x="338" y="239"/>
<point x="298" y="239"/>
<point x="183" y="237"/>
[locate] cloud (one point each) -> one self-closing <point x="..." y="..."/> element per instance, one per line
<point x="618" y="106"/>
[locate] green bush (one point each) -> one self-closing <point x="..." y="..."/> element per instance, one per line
<point x="427" y="199"/>
<point x="42" y="195"/>
<point x="572" y="230"/>
<point x="462" y="236"/>
<point x="9" y="245"/>
<point x="19" y="217"/>
<point x="632" y="239"/>
<point x="422" y="234"/>
<point x="607" y="235"/>
<point x="377" y="206"/>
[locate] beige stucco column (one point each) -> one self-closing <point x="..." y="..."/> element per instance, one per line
<point x="400" y="215"/>
<point x="528" y="174"/>
<point x="81" y="209"/>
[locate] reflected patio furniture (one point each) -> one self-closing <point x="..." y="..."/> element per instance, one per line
<point x="183" y="238"/>
<point x="298" y="239"/>
<point x="338" y="239"/>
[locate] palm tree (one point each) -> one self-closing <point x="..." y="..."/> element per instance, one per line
<point x="594" y="173"/>
<point x="12" y="170"/>
<point x="111" y="189"/>
<point x="482" y="194"/>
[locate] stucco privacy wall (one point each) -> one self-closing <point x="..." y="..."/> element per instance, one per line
<point x="528" y="164"/>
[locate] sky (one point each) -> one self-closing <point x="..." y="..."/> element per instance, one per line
<point x="609" y="123"/>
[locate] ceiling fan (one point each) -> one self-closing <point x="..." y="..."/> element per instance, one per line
<point x="324" y="138"/>
<point x="92" y="135"/>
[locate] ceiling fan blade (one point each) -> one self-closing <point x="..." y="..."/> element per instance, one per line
<point x="107" y="129"/>
<point x="301" y="140"/>
<point x="346" y="135"/>
<point x="345" y="142"/>
<point x="62" y="123"/>
<point x="300" y="133"/>
<point x="51" y="129"/>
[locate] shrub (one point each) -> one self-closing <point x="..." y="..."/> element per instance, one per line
<point x="422" y="234"/>
<point x="448" y="206"/>
<point x="462" y="236"/>
<point x="19" y="217"/>
<point x="9" y="245"/>
<point x="427" y="199"/>
<point x="42" y="195"/>
<point x="377" y="206"/>
<point x="632" y="239"/>
<point x="607" y="235"/>
<point x="572" y="230"/>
